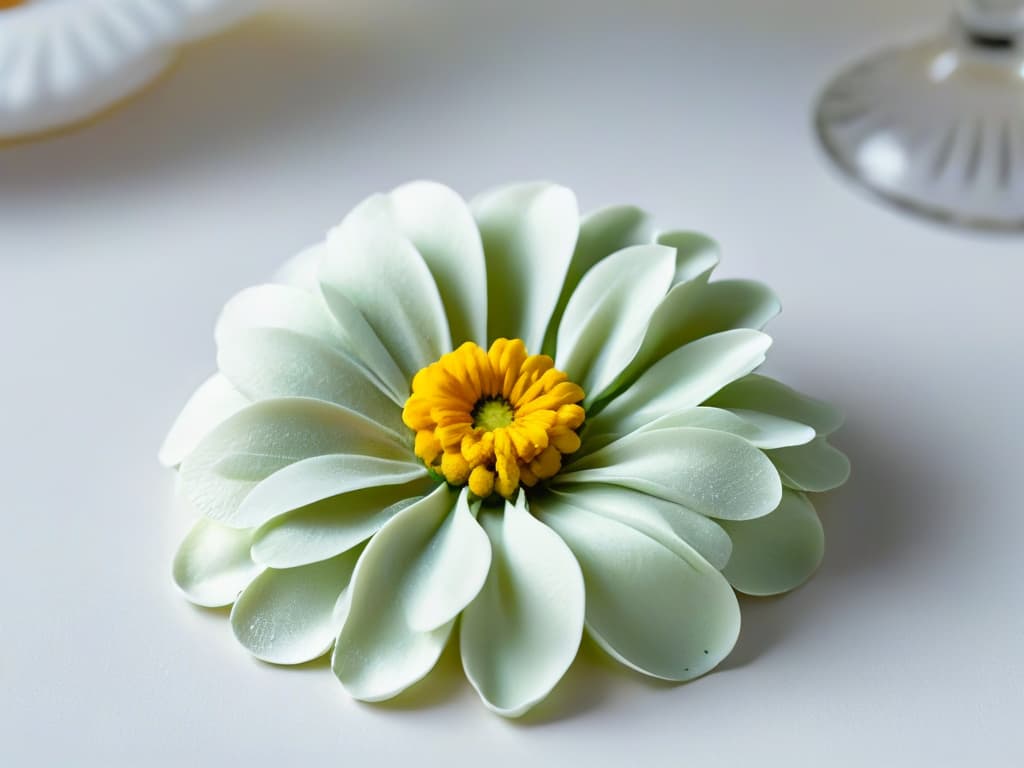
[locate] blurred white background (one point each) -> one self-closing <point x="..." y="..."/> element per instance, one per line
<point x="119" y="243"/>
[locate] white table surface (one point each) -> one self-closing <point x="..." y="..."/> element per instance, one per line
<point x="119" y="243"/>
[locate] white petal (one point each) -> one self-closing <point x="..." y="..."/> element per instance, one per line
<point x="814" y="467"/>
<point x="451" y="571"/>
<point x="771" y="431"/>
<point x="273" y="362"/>
<point x="268" y="436"/>
<point x="696" y="254"/>
<point x="759" y="393"/>
<point x="777" y="552"/>
<point x="278" y="306"/>
<point x="363" y="344"/>
<point x="529" y="233"/>
<point x="661" y="614"/>
<point x="760" y="429"/>
<point x="602" y="233"/>
<point x="664" y="521"/>
<point x="701" y="417"/>
<point x="292" y="616"/>
<point x="317" y="478"/>
<point x="327" y="317"/>
<point x="711" y="472"/>
<point x="696" y="309"/>
<point x="683" y="379"/>
<point x="212" y="564"/>
<point x="383" y="275"/>
<point x="213" y="402"/>
<point x="605" y="319"/>
<point x="332" y="526"/>
<point x="303" y="269"/>
<point x="378" y="653"/>
<point x="522" y="632"/>
<point x="441" y="226"/>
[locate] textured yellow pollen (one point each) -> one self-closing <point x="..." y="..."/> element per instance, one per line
<point x="494" y="419"/>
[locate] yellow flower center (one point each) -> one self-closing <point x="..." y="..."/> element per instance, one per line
<point x="495" y="418"/>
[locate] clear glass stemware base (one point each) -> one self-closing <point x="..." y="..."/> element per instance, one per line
<point x="938" y="126"/>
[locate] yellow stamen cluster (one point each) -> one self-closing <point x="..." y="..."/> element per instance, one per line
<point x="494" y="419"/>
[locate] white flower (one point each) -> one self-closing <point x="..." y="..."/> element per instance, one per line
<point x="62" y="61"/>
<point x="379" y="455"/>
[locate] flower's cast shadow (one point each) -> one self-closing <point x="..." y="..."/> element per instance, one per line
<point x="589" y="681"/>
<point x="876" y="522"/>
<point x="445" y="682"/>
<point x="587" y="684"/>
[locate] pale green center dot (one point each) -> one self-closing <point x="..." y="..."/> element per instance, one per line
<point x="493" y="413"/>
